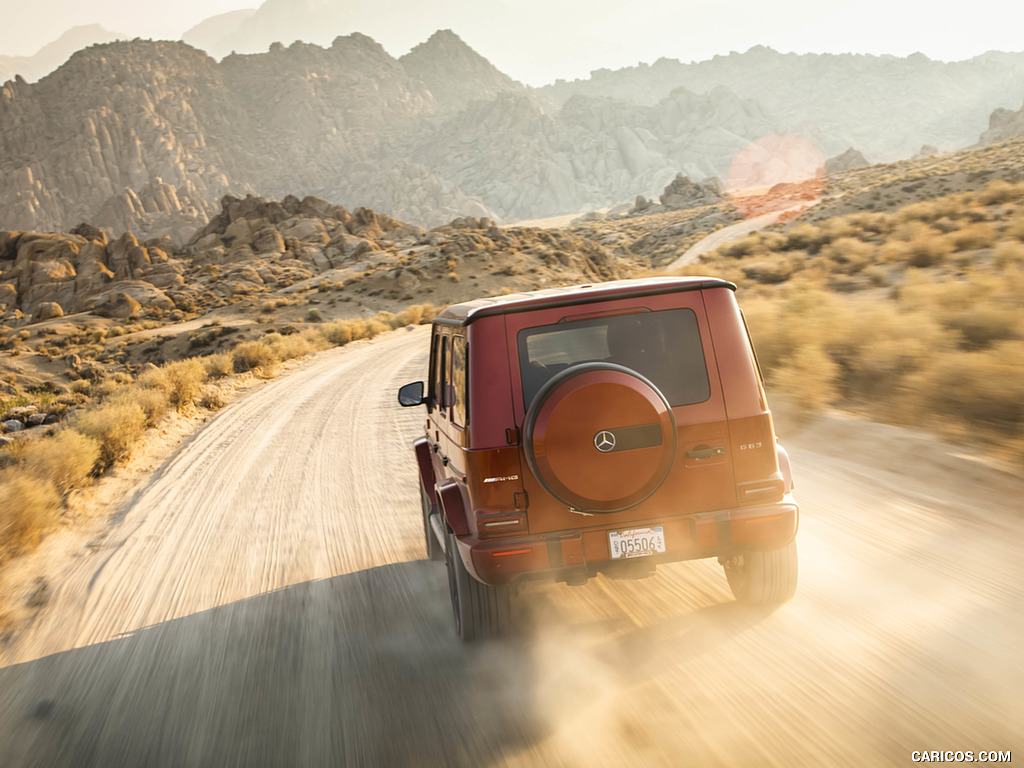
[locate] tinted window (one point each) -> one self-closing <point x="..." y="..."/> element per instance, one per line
<point x="460" y="367"/>
<point x="663" y="347"/>
<point x="442" y="377"/>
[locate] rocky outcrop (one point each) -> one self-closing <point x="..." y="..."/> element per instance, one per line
<point x="847" y="161"/>
<point x="1003" y="125"/>
<point x="683" y="193"/>
<point x="45" y="276"/>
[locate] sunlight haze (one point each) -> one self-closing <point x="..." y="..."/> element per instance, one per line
<point x="537" y="42"/>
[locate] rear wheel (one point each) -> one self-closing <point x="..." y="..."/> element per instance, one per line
<point x="480" y="610"/>
<point x="434" y="549"/>
<point x="763" y="578"/>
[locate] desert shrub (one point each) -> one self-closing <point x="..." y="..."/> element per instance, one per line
<point x="67" y="459"/>
<point x="835" y="228"/>
<point x="154" y="401"/>
<point x="186" y="378"/>
<point x="180" y="381"/>
<point x="878" y="276"/>
<point x="946" y="225"/>
<point x="982" y="325"/>
<point x="212" y="397"/>
<point x="1008" y="254"/>
<point x="926" y="210"/>
<point x="252" y="355"/>
<point x="1015" y="228"/>
<point x="748" y="245"/>
<point x="980" y="389"/>
<point x="342" y="332"/>
<point x="1000" y="191"/>
<point x="288" y="347"/>
<point x="807" y="237"/>
<point x="116" y="426"/>
<point x="849" y="254"/>
<point x="28" y="506"/>
<point x="809" y="378"/>
<point x="770" y="272"/>
<point x="871" y="223"/>
<point x="416" y="314"/>
<point x="926" y="250"/>
<point x="314" y="315"/>
<point x="218" y="366"/>
<point x="974" y="236"/>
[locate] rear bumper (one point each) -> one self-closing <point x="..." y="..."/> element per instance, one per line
<point x="575" y="555"/>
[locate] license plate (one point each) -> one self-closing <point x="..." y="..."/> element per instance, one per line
<point x="636" y="542"/>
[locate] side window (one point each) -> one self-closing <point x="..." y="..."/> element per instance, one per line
<point x="435" y="368"/>
<point x="460" y="381"/>
<point x="442" y="376"/>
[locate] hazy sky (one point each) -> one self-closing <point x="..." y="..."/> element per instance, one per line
<point x="537" y="41"/>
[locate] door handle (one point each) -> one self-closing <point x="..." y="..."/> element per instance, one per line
<point x="704" y="453"/>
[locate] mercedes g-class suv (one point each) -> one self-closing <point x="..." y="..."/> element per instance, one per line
<point x="599" y="428"/>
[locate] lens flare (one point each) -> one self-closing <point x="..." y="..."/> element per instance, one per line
<point x="776" y="172"/>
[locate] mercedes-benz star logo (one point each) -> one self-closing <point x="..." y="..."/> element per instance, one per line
<point x="604" y="441"/>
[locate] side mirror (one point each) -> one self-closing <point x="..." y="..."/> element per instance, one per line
<point x="411" y="394"/>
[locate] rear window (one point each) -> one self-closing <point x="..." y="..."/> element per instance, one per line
<point x="663" y="347"/>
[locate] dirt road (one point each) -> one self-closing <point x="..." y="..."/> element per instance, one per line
<point x="262" y="601"/>
<point x="728" y="234"/>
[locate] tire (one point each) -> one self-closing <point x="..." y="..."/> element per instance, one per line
<point x="480" y="610"/>
<point x="600" y="437"/>
<point x="434" y="549"/>
<point x="763" y="578"/>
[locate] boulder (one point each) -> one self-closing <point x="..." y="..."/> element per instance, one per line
<point x="48" y="310"/>
<point x="682" y="193"/>
<point x="847" y="161"/>
<point x="118" y="304"/>
<point x="8" y="296"/>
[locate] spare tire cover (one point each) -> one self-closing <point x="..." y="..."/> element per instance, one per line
<point x="600" y="437"/>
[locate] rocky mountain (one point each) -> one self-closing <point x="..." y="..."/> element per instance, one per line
<point x="1003" y="124"/>
<point x="454" y="73"/>
<point x="147" y="136"/>
<point x="883" y="106"/>
<point x="51" y="56"/>
<point x="526" y="157"/>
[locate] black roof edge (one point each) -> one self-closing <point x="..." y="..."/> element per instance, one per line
<point x="573" y="300"/>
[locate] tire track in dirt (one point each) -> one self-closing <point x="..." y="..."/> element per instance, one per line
<point x="262" y="600"/>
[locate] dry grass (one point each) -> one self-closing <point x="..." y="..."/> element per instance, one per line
<point x="914" y="316"/>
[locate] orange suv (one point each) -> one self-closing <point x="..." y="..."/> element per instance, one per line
<point x="599" y="428"/>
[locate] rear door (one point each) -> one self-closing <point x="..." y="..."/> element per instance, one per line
<point x="663" y="341"/>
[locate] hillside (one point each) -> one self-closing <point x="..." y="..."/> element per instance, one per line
<point x="146" y="136"/>
<point x="886" y="107"/>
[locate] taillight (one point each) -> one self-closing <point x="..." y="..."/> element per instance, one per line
<point x="499" y="525"/>
<point x="761" y="491"/>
